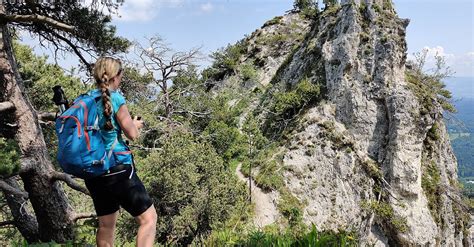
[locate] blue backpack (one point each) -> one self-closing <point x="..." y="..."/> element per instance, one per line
<point x="81" y="150"/>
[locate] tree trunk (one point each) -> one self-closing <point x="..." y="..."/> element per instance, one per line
<point x="49" y="202"/>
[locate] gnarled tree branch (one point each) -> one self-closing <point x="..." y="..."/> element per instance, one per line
<point x="8" y="223"/>
<point x="69" y="181"/>
<point x="9" y="190"/>
<point x="75" y="49"/>
<point x="35" y="18"/>
<point x="79" y="216"/>
<point x="46" y="116"/>
<point x="24" y="221"/>
<point x="5" y="106"/>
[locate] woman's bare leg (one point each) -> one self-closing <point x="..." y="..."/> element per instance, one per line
<point x="147" y="230"/>
<point x="105" y="233"/>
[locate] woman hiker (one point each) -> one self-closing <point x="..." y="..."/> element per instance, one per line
<point x="120" y="187"/>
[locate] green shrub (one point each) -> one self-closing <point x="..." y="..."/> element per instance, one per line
<point x="292" y="209"/>
<point x="308" y="238"/>
<point x="190" y="187"/>
<point x="273" y="40"/>
<point x="377" y="8"/>
<point x="338" y="139"/>
<point x="227" y="141"/>
<point x="362" y="7"/>
<point x="309" y="13"/>
<point x="300" y="5"/>
<point x="287" y="104"/>
<point x="387" y="5"/>
<point x="306" y="8"/>
<point x="274" y="21"/>
<point x="368" y="51"/>
<point x="364" y="37"/>
<point x="385" y="212"/>
<point x="269" y="176"/>
<point x="254" y="136"/>
<point x="271" y="237"/>
<point x="248" y="72"/>
<point x="226" y="61"/>
<point x="331" y="10"/>
<point x="9" y="157"/>
<point x="433" y="133"/>
<point x="429" y="89"/>
<point x="430" y="182"/>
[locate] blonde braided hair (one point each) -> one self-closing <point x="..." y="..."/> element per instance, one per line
<point x="104" y="70"/>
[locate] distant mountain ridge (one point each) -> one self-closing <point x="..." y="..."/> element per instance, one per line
<point x="461" y="124"/>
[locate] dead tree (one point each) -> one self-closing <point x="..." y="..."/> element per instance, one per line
<point x="164" y="64"/>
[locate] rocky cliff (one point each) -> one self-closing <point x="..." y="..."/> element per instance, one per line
<point x="366" y="154"/>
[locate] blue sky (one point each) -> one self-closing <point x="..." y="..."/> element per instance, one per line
<point x="443" y="27"/>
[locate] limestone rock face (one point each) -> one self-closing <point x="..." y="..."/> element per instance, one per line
<point x="361" y="49"/>
<point x="267" y="47"/>
<point x="362" y="157"/>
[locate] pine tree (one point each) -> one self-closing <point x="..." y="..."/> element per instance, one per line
<point x="301" y="5"/>
<point x="67" y="26"/>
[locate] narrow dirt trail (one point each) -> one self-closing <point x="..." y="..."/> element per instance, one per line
<point x="266" y="211"/>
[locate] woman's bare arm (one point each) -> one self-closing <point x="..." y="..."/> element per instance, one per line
<point x="129" y="126"/>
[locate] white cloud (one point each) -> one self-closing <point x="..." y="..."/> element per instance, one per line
<point x="145" y="10"/>
<point x="207" y="7"/>
<point x="438" y="51"/>
<point x="138" y="10"/>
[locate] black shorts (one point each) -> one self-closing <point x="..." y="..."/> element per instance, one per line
<point x="110" y="192"/>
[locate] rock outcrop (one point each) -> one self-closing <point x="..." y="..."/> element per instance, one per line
<point x="360" y="157"/>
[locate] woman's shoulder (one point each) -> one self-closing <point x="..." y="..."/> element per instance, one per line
<point x="117" y="93"/>
<point x="117" y="96"/>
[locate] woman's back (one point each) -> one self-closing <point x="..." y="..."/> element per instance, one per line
<point x="109" y="136"/>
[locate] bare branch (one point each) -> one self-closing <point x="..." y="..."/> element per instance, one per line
<point x="193" y="113"/>
<point x="159" y="59"/>
<point x="79" y="216"/>
<point x="38" y="19"/>
<point x="145" y="148"/>
<point x="46" y="116"/>
<point x="169" y="120"/>
<point x="25" y="221"/>
<point x="75" y="49"/>
<point x="11" y="191"/>
<point x="190" y="88"/>
<point x="69" y="181"/>
<point x="8" y="223"/>
<point x="5" y="106"/>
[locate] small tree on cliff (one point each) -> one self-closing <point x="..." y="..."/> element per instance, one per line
<point x="70" y="27"/>
<point x="301" y="5"/>
<point x="330" y="3"/>
<point x="428" y="85"/>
